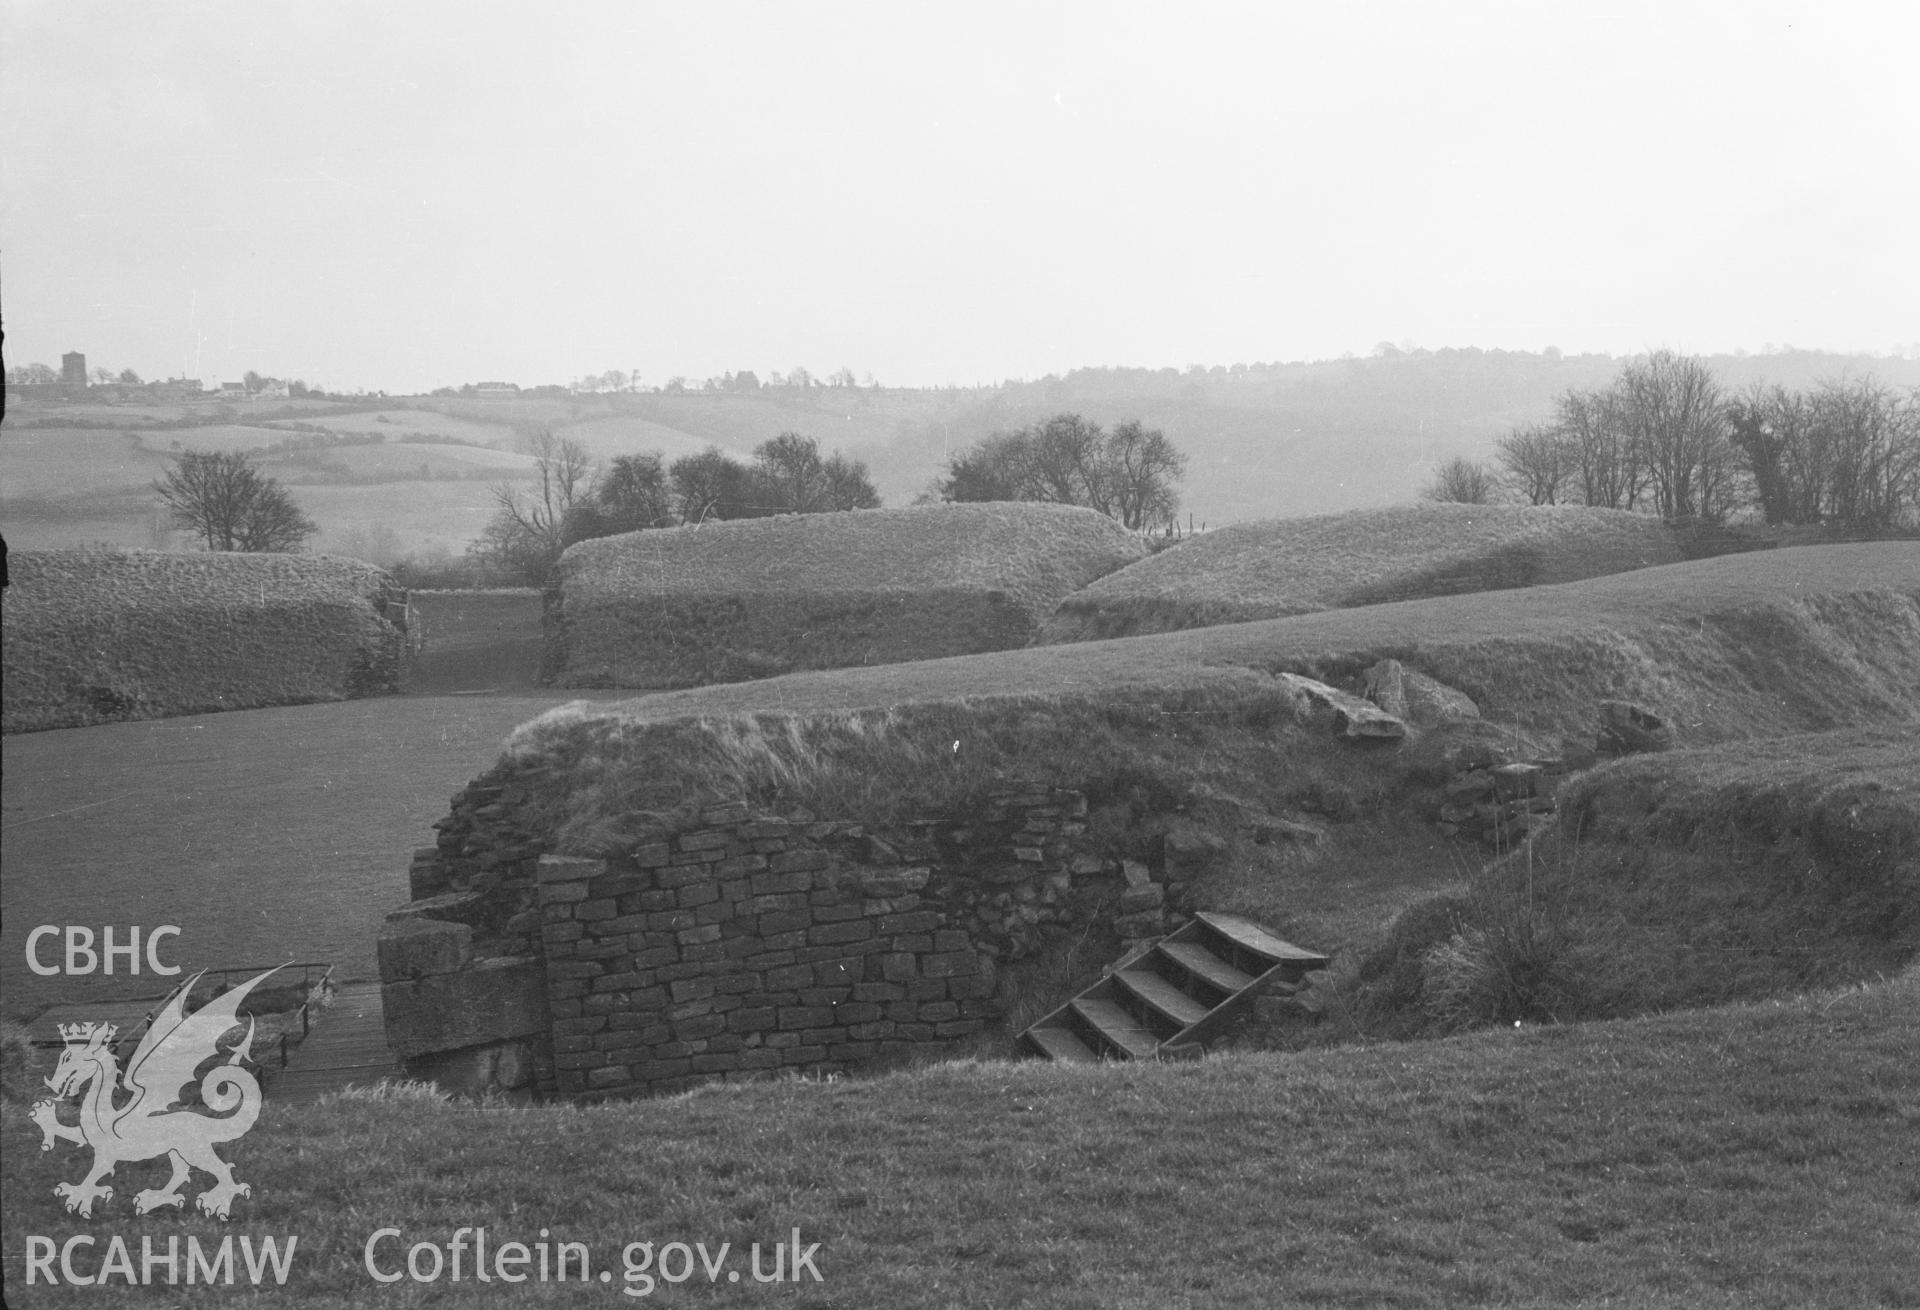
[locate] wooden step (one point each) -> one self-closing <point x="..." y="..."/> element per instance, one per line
<point x="1163" y="996"/>
<point x="1059" y="1044"/>
<point x="1115" y="1025"/>
<point x="1203" y="963"/>
<point x="1251" y="936"/>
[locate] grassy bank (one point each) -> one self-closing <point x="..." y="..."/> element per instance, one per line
<point x="1754" y="1156"/>
<point x="1269" y="569"/>
<point x="754" y="598"/>
<point x="100" y="635"/>
<point x="1723" y="650"/>
<point x="1691" y="878"/>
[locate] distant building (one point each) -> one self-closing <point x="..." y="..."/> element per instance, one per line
<point x="233" y="391"/>
<point x="73" y="369"/>
<point x="496" y="390"/>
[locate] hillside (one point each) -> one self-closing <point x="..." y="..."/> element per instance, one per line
<point x="1264" y="440"/>
<point x="1363" y="557"/>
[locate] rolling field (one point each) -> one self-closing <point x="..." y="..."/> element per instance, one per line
<point x="58" y="464"/>
<point x="399" y="423"/>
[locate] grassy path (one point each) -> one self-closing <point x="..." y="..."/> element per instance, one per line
<point x="265" y="834"/>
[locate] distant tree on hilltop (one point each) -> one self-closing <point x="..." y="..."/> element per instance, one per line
<point x="1462" y="481"/>
<point x="223" y="500"/>
<point x="1130" y="474"/>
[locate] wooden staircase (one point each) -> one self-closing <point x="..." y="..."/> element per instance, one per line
<point x="1173" y="998"/>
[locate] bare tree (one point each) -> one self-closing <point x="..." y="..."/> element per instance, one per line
<point x="1139" y="470"/>
<point x="1606" y="465"/>
<point x="528" y="531"/>
<point x="223" y="500"/>
<point x="1674" y="414"/>
<point x="1461" y="481"/>
<point x="1540" y="460"/>
<point x="1872" y="438"/>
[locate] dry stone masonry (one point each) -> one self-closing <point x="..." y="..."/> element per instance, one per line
<point x="731" y="944"/>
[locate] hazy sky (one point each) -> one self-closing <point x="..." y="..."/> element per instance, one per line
<point x="408" y="195"/>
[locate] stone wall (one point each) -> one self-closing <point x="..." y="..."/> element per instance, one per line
<point x="730" y="944"/>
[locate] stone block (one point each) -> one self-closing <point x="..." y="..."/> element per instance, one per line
<point x="950" y="964"/>
<point x="891" y="881"/>
<point x="476" y="1071"/>
<point x="491" y="1001"/>
<point x="831" y="934"/>
<point x="568" y="868"/>
<point x="1627" y="729"/>
<point x="416" y="948"/>
<point x="1346" y="715"/>
<point x="793" y="880"/>
<point x="798" y="861"/>
<point x="468" y="907"/>
<point x="1518" y="781"/>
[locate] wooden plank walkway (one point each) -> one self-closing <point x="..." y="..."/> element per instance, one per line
<point x="347" y="1047"/>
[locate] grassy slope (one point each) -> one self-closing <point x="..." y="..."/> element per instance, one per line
<point x="1759" y="1156"/>
<point x="1029" y="551"/>
<point x="1687" y="878"/>
<point x="1296" y="566"/>
<point x="726" y="601"/>
<point x="1535" y="656"/>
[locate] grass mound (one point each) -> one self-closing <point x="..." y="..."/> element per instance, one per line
<point x="1365" y="557"/>
<point x="1692" y="878"/>
<point x="93" y="636"/>
<point x="725" y="602"/>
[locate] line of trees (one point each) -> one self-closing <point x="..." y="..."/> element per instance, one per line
<point x="1665" y="437"/>
<point x="572" y="499"/>
<point x="1131" y="474"/>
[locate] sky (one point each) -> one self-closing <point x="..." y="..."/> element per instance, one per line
<point x="378" y="196"/>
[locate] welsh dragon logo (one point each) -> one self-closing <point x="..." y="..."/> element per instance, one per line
<point x="150" y="1122"/>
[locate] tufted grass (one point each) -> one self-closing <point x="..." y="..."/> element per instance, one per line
<point x="1363" y="557"/>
